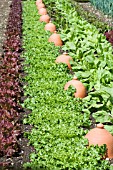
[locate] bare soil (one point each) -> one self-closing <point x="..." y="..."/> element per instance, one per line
<point x="4" y="12"/>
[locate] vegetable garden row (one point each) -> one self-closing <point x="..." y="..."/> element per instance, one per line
<point x="60" y="121"/>
<point x="10" y="86"/>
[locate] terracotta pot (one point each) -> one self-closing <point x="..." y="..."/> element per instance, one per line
<point x="64" y="58"/>
<point x="42" y="11"/>
<point x="50" y="27"/>
<point x="40" y="5"/>
<point x="44" y="18"/>
<point x="55" y="38"/>
<point x="38" y="1"/>
<point x="99" y="136"/>
<point x="80" y="88"/>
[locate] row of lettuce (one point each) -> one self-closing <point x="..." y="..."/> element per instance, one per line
<point x="10" y="87"/>
<point x="60" y="121"/>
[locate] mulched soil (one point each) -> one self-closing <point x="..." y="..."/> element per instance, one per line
<point x="4" y="12"/>
<point x="16" y="162"/>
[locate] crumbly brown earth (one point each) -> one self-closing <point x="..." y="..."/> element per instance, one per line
<point x="4" y="12"/>
<point x="16" y="162"/>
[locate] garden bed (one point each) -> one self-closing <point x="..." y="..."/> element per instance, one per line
<point x="46" y="121"/>
<point x="14" y="151"/>
<point x="56" y="123"/>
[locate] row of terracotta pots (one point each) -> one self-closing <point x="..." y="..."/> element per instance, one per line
<point x="64" y="58"/>
<point x="98" y="135"/>
<point x="54" y="38"/>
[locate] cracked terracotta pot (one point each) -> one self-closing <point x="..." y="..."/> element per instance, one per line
<point x="40" y="5"/>
<point x="64" y="58"/>
<point x="38" y="1"/>
<point x="80" y="88"/>
<point x="99" y="136"/>
<point x="50" y="27"/>
<point x="55" y="38"/>
<point x="42" y="11"/>
<point x="44" y="18"/>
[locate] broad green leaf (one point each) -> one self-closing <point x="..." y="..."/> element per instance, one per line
<point x="101" y="116"/>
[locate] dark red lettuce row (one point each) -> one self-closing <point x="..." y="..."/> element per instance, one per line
<point x="14" y="29"/>
<point x="109" y="36"/>
<point x="10" y="89"/>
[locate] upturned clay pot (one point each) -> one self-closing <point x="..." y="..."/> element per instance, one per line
<point x="42" y="11"/>
<point x="64" y="58"/>
<point x="38" y="1"/>
<point x="40" y="5"/>
<point x="55" y="38"/>
<point x="80" y="88"/>
<point x="50" y="27"/>
<point x="44" y="18"/>
<point x="99" y="136"/>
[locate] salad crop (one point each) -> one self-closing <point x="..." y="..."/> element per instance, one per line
<point x="59" y="120"/>
<point x="10" y="91"/>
